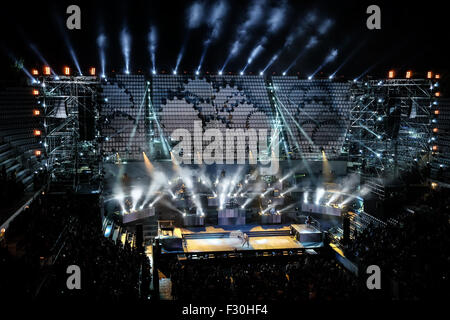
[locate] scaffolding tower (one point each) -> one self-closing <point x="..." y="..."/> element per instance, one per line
<point x="391" y="127"/>
<point x="69" y="116"/>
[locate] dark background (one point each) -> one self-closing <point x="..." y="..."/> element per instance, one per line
<point x="414" y="36"/>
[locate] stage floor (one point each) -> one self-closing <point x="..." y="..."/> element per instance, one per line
<point x="256" y="243"/>
<point x="259" y="239"/>
<point x="179" y="232"/>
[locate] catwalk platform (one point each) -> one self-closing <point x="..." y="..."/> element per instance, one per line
<point x="229" y="238"/>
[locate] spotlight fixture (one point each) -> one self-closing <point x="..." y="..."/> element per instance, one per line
<point x="47" y="70"/>
<point x="391" y="74"/>
<point x="66" y="71"/>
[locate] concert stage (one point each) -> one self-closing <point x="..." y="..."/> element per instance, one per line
<point x="229" y="239"/>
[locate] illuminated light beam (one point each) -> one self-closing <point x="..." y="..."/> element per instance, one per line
<point x="322" y="29"/>
<point x="326" y="168"/>
<point x="348" y="58"/>
<point x="272" y="60"/>
<point x="258" y="189"/>
<point x="41" y="57"/>
<point x="311" y="43"/>
<point x="155" y="201"/>
<point x="194" y="20"/>
<point x="372" y="132"/>
<point x="215" y="22"/>
<point x="272" y="206"/>
<point x="292" y="135"/>
<point x="101" y="44"/>
<point x="255" y="15"/>
<point x="138" y="119"/>
<point x="181" y="54"/>
<point x="295" y="122"/>
<point x="293" y="188"/>
<point x="266" y="192"/>
<point x="320" y="192"/>
<point x="305" y="197"/>
<point x="125" y="42"/>
<point x="255" y="52"/>
<point x="152" y="44"/>
<point x="136" y="194"/>
<point x="62" y="29"/>
<point x="148" y="164"/>
<point x="300" y="29"/>
<point x="275" y="21"/>
<point x="285" y="208"/>
<point x="327" y="60"/>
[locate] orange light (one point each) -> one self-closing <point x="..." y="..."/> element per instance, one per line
<point x="37" y="132"/>
<point x="35" y="92"/>
<point x="37" y="153"/>
<point x="437" y="76"/>
<point x="435" y="130"/>
<point x="34" y="72"/>
<point x="437" y="94"/>
<point x="47" y="70"/>
<point x="67" y="71"/>
<point x="429" y="75"/>
<point x="92" y="71"/>
<point x="408" y="74"/>
<point x="391" y="74"/>
<point x="436" y="111"/>
<point x="434" y="148"/>
<point x="36" y="112"/>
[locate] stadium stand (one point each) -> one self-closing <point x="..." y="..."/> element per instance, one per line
<point x="122" y="116"/>
<point x="320" y="107"/>
<point x="18" y="163"/>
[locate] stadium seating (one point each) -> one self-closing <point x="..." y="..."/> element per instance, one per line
<point x="316" y="113"/>
<point x="123" y="116"/>
<point x="17" y="141"/>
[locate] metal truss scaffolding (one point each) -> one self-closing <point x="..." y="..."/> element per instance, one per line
<point x="391" y="126"/>
<point x="70" y="114"/>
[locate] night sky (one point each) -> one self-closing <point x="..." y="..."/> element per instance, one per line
<point x="413" y="36"/>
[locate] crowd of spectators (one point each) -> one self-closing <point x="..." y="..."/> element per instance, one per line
<point x="57" y="231"/>
<point x="302" y="278"/>
<point x="414" y="253"/>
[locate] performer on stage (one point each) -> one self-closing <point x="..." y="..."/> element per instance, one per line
<point x="246" y="240"/>
<point x="308" y="221"/>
